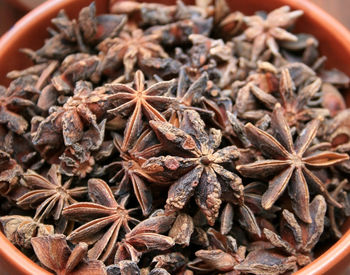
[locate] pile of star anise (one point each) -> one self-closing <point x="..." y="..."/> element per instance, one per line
<point x="174" y="140"/>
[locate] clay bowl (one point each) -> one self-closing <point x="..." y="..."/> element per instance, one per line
<point x="30" y="32"/>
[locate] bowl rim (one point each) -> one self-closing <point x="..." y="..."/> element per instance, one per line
<point x="329" y="259"/>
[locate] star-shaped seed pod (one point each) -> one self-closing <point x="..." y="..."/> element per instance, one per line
<point x="10" y="173"/>
<point x="264" y="32"/>
<point x="222" y="255"/>
<point x="55" y="254"/>
<point x="16" y="99"/>
<point x="292" y="248"/>
<point x="139" y="101"/>
<point x="188" y="96"/>
<point x="289" y="163"/>
<point x="129" y="174"/>
<point x="144" y="238"/>
<point x="21" y="229"/>
<point x="294" y="101"/>
<point x="48" y="195"/>
<point x="196" y="163"/>
<point x="129" y="49"/>
<point x="103" y="212"/>
<point x="83" y="110"/>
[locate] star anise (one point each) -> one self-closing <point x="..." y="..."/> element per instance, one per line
<point x="54" y="253"/>
<point x="222" y="255"/>
<point x="178" y="33"/>
<point x="247" y="211"/>
<point x="129" y="173"/>
<point x="129" y="49"/>
<point x="336" y="216"/>
<point x="226" y="23"/>
<point x="264" y="32"/>
<point x="103" y="212"/>
<point x="21" y="229"/>
<point x="173" y="262"/>
<point x="49" y="196"/>
<point x="10" y="172"/>
<point x="187" y="96"/>
<point x="294" y="101"/>
<point x="144" y="238"/>
<point x="84" y="109"/>
<point x="206" y="55"/>
<point x="197" y="162"/>
<point x="73" y="164"/>
<point x="146" y="14"/>
<point x="82" y="69"/>
<point x="14" y="100"/>
<point x="137" y="101"/>
<point x="288" y="163"/>
<point x="292" y="246"/>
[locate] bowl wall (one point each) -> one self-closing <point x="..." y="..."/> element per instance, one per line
<point x="30" y="32"/>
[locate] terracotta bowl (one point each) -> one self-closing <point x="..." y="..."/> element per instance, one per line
<point x="30" y="32"/>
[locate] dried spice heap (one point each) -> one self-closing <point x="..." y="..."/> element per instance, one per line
<point x="174" y="140"/>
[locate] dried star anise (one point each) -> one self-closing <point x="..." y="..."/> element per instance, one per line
<point x="294" y="101"/>
<point x="85" y="108"/>
<point x="223" y="254"/>
<point x="49" y="196"/>
<point x="130" y="174"/>
<point x="265" y="31"/>
<point x="21" y="229"/>
<point x="198" y="161"/>
<point x="103" y="212"/>
<point x="14" y="100"/>
<point x="129" y="49"/>
<point x="297" y="240"/>
<point x="145" y="237"/>
<point x="199" y="117"/>
<point x="289" y="160"/>
<point x="137" y="101"/>
<point x="10" y="172"/>
<point x="62" y="259"/>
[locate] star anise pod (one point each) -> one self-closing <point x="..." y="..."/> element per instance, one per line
<point x="130" y="175"/>
<point x="82" y="69"/>
<point x="139" y="101"/>
<point x="76" y="164"/>
<point x="84" y="109"/>
<point x="103" y="212"/>
<point x="49" y="196"/>
<point x="247" y="211"/>
<point x="144" y="238"/>
<point x="289" y="163"/>
<point x="187" y="96"/>
<point x="129" y="49"/>
<point x="226" y="23"/>
<point x="21" y="229"/>
<point x="55" y="254"/>
<point x="182" y="229"/>
<point x="178" y="33"/>
<point x="74" y="35"/>
<point x="294" y="101"/>
<point x="292" y="247"/>
<point x="264" y="32"/>
<point x="196" y="163"/>
<point x="14" y="100"/>
<point x="336" y="216"/>
<point x="206" y="55"/>
<point x="155" y="13"/>
<point x="337" y="132"/>
<point x="172" y="262"/>
<point x="10" y="173"/>
<point x="222" y="255"/>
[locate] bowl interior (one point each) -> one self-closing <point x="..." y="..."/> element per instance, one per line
<point x="30" y="32"/>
